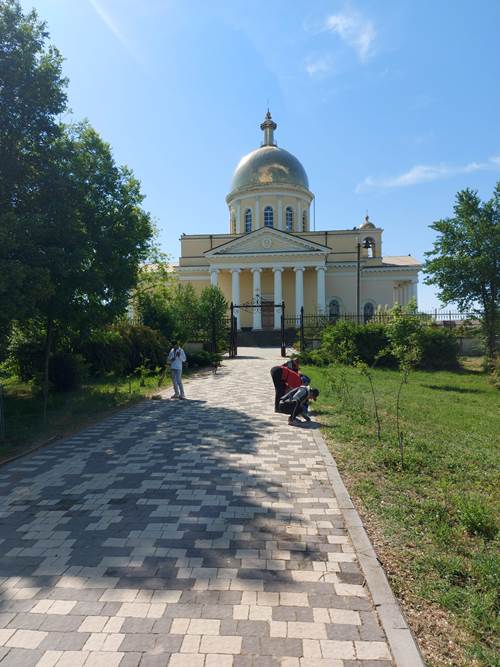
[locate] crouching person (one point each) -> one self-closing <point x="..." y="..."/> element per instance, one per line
<point x="295" y="403"/>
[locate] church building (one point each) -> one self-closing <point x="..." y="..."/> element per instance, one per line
<point x="271" y="254"/>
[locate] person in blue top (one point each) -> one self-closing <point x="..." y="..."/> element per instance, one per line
<point x="176" y="357"/>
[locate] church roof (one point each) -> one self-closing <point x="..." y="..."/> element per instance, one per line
<point x="400" y="260"/>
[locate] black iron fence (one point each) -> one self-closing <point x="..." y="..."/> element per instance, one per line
<point x="308" y="328"/>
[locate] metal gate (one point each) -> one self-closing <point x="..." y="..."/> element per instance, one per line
<point x="233" y="331"/>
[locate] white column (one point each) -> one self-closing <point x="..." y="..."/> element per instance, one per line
<point x="299" y="290"/>
<point x="320" y="289"/>
<point x="395" y="297"/>
<point x="214" y="277"/>
<point x="238" y="218"/>
<point x="278" y="297"/>
<point x="405" y="293"/>
<point x="280" y="214"/>
<point x="257" y="313"/>
<point x="298" y="224"/>
<point x="414" y="290"/>
<point x="235" y="293"/>
<point x="257" y="214"/>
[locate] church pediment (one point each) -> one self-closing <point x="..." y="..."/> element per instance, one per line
<point x="268" y="241"/>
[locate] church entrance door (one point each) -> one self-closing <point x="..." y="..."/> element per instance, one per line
<point x="267" y="311"/>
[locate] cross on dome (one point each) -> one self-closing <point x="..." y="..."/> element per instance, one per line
<point x="268" y="127"/>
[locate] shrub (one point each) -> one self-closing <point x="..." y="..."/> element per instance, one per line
<point x="106" y="352"/>
<point x="346" y="342"/>
<point x="477" y="518"/>
<point x="439" y="349"/>
<point x="27" y="358"/>
<point x="65" y="371"/>
<point x="201" y="358"/>
<point x="122" y="348"/>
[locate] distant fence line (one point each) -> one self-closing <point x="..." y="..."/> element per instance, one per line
<point x="448" y="318"/>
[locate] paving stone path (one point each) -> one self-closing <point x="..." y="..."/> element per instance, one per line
<point x="197" y="533"/>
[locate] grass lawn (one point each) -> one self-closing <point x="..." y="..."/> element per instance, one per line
<point x="67" y="412"/>
<point x="433" y="520"/>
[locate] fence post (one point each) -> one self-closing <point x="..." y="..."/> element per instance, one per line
<point x="235" y="336"/>
<point x="302" y="339"/>
<point x="213" y="343"/>
<point x="283" y="343"/>
<point x="2" y="415"/>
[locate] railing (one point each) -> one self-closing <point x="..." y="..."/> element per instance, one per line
<point x="308" y="328"/>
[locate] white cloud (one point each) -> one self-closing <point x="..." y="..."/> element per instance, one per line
<point x="425" y="174"/>
<point x="355" y="30"/>
<point x="114" y="29"/>
<point x="318" y="67"/>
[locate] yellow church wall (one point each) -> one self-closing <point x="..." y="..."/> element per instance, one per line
<point x="379" y="291"/>
<point x="342" y="287"/>
<point x="310" y="291"/>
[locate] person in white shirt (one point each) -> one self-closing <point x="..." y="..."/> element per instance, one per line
<point x="177" y="357"/>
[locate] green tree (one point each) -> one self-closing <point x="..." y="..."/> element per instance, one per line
<point x="32" y="95"/>
<point x="89" y="237"/>
<point x="464" y="262"/>
<point x="213" y="313"/>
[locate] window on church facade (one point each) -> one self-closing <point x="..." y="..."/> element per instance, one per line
<point x="268" y="217"/>
<point x="304" y="221"/>
<point x="248" y="220"/>
<point x="334" y="310"/>
<point x="289" y="219"/>
<point x="368" y="311"/>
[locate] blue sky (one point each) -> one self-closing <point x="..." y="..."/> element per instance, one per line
<point x="392" y="107"/>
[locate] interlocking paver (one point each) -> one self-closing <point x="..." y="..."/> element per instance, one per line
<point x="197" y="533"/>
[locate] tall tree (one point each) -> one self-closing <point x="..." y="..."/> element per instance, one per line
<point x="464" y="262"/>
<point x="32" y="95"/>
<point x="88" y="237"/>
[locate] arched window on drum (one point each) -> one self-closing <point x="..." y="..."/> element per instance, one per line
<point x="268" y="217"/>
<point x="248" y="220"/>
<point x="368" y="311"/>
<point x="289" y="219"/>
<point x="304" y="221"/>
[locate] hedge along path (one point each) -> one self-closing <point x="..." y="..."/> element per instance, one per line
<point x="205" y="532"/>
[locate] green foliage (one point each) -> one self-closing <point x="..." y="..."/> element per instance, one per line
<point x="201" y="358"/>
<point x="439" y="551"/>
<point x="464" y="262"/>
<point x="439" y="349"/>
<point x="33" y="94"/>
<point x="125" y="347"/>
<point x="26" y="353"/>
<point x="72" y="230"/>
<point x="65" y="371"/>
<point x="346" y="342"/>
<point x="477" y="517"/>
<point x="404" y="333"/>
<point x="212" y="313"/>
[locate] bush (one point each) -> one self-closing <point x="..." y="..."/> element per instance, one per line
<point x="439" y="349"/>
<point x="105" y="352"/>
<point x="346" y="342"/>
<point x="27" y="358"/>
<point x="201" y="358"/>
<point x="477" y="518"/>
<point x="122" y="348"/>
<point x="65" y="371"/>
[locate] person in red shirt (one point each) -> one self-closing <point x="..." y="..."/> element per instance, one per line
<point x="285" y="377"/>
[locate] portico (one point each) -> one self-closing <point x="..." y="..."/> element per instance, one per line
<point x="264" y="266"/>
